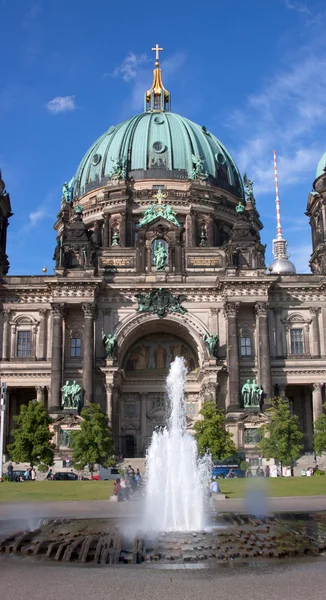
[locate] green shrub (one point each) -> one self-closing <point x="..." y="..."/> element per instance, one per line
<point x="319" y="473"/>
<point x="5" y="478"/>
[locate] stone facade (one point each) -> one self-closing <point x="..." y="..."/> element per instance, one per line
<point x="52" y="326"/>
<point x="270" y="327"/>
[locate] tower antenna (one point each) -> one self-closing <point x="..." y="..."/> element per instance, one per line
<point x="279" y="244"/>
<point x="281" y="263"/>
<point x="277" y="201"/>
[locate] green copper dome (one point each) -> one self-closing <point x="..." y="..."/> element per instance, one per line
<point x="321" y="166"/>
<point x="157" y="145"/>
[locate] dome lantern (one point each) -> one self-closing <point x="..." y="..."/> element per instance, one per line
<point x="157" y="98"/>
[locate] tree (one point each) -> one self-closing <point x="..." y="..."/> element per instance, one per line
<point x="32" y="437"/>
<point x="211" y="434"/>
<point x="320" y="433"/>
<point x="282" y="437"/>
<point x="93" y="443"/>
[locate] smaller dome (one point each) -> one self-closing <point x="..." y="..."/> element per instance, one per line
<point x="321" y="166"/>
<point x="282" y="266"/>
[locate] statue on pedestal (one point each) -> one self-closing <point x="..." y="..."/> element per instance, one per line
<point x="160" y="257"/>
<point x="71" y="395"/>
<point x="251" y="394"/>
<point x="110" y="343"/>
<point x="256" y="393"/>
<point x="246" y="393"/>
<point x="211" y="341"/>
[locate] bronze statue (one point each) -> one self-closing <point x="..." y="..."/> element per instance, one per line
<point x="110" y="343"/>
<point x="211" y="341"/>
<point x="160" y="257"/>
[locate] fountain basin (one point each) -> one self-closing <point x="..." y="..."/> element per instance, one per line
<point x="232" y="537"/>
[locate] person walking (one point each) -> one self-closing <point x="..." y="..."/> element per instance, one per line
<point x="33" y="474"/>
<point x="10" y="469"/>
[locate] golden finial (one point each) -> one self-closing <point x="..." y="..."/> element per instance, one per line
<point x="157" y="98"/>
<point x="157" y="50"/>
<point x="44" y="270"/>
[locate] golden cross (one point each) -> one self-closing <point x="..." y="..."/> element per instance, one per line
<point x="157" y="49"/>
<point x="160" y="196"/>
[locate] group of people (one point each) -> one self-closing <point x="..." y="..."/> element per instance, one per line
<point x="309" y="472"/>
<point x="29" y="474"/>
<point x="125" y="486"/>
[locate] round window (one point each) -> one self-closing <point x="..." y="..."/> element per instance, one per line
<point x="158" y="120"/>
<point x="96" y="159"/>
<point x="159" y="147"/>
<point x="220" y="158"/>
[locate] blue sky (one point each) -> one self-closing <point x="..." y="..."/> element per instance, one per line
<point x="253" y="72"/>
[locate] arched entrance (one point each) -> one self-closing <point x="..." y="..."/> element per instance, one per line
<point x="143" y="366"/>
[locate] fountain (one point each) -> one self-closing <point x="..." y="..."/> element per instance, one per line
<point x="177" y="480"/>
<point x="176" y="518"/>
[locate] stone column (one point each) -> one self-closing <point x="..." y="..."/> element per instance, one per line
<point x="213" y="320"/>
<point x="315" y="339"/>
<point x="123" y="229"/>
<point x="109" y="392"/>
<point x="143" y="422"/>
<point x="88" y="352"/>
<point x="278" y="332"/>
<point x="264" y="364"/>
<point x="41" y="348"/>
<point x="308" y="419"/>
<point x="40" y="393"/>
<point x="58" y="311"/>
<point x="6" y="335"/>
<point x="193" y="229"/>
<point x="188" y="231"/>
<point x="231" y="310"/>
<point x="178" y="257"/>
<point x="106" y="231"/>
<point x="116" y="421"/>
<point x="48" y="389"/>
<point x="317" y="400"/>
<point x="96" y="234"/>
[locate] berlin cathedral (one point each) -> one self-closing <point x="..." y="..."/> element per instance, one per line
<point x="159" y="255"/>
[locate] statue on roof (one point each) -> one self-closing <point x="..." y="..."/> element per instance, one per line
<point x="67" y="190"/>
<point x="198" y="169"/>
<point x="119" y="168"/>
<point x="249" y="184"/>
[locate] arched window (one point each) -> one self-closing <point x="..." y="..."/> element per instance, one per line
<point x="297" y="335"/>
<point x="23" y="331"/>
<point x="74" y="341"/>
<point x="246" y="345"/>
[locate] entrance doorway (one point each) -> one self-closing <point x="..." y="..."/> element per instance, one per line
<point x="128" y="449"/>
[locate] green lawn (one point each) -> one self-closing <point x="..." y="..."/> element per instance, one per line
<point x="54" y="491"/>
<point x="278" y="486"/>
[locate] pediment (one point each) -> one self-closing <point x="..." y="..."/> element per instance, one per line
<point x="160" y="221"/>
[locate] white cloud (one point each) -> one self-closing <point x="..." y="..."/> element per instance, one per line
<point x="61" y="104"/>
<point x="298" y="6"/>
<point x="130" y="66"/>
<point x="288" y="113"/>
<point x="36" y="216"/>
